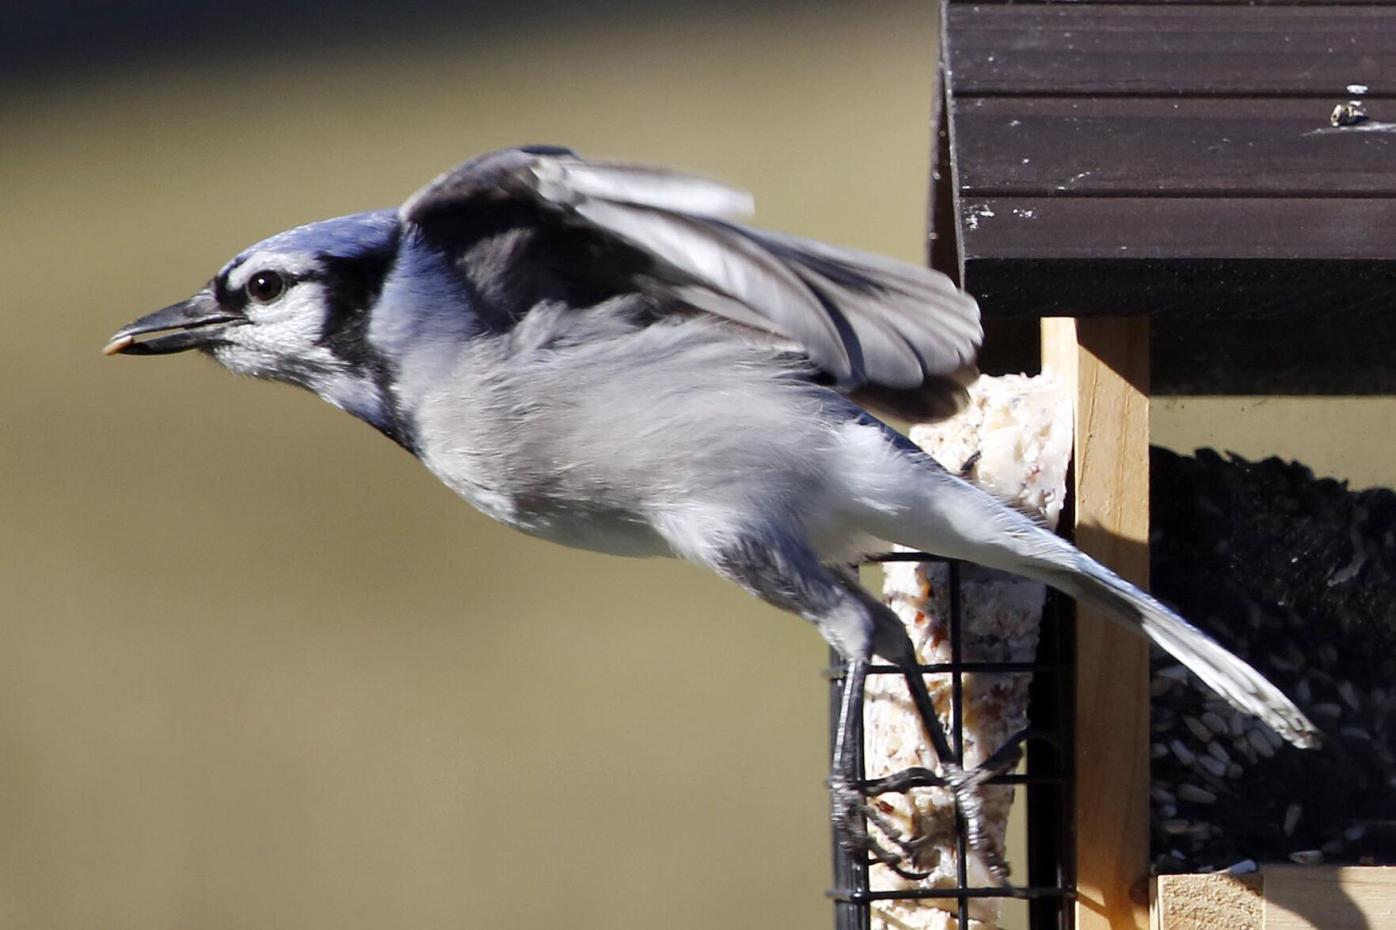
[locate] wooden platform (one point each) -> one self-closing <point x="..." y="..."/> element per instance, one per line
<point x="1280" y="897"/>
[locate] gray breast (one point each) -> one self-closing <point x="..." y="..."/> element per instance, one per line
<point x="591" y="442"/>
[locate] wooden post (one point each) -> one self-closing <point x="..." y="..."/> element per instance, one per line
<point x="1105" y="362"/>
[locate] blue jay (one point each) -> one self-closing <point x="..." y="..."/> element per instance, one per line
<point x="591" y="352"/>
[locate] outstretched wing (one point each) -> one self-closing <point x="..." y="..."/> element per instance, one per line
<point x="887" y="329"/>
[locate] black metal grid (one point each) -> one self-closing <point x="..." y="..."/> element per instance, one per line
<point x="1050" y="886"/>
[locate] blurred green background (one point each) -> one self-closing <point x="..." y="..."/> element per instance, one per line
<point x="257" y="667"/>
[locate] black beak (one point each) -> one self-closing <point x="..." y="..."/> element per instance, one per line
<point x="188" y="324"/>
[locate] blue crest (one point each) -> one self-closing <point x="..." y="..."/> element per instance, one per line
<point x="342" y="237"/>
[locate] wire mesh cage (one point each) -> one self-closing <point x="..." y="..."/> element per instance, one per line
<point x="1047" y="779"/>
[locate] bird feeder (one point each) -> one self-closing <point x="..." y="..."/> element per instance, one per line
<point x="1207" y="190"/>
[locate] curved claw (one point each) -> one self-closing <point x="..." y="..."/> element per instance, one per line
<point x="977" y="842"/>
<point x="964" y="785"/>
<point x="851" y="809"/>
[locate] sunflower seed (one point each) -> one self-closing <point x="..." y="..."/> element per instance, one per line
<point x="1215" y="766"/>
<point x="1292" y="815"/>
<point x="1198" y="728"/>
<point x="1259" y="742"/>
<point x="1326" y="710"/>
<point x="1307" y="856"/>
<point x="1214" y="722"/>
<point x="1303" y="694"/>
<point x="1183" y="753"/>
<point x="1195" y="795"/>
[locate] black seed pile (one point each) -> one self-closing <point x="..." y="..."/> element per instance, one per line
<point x="1297" y="575"/>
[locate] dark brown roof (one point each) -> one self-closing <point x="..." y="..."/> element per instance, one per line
<point x="1168" y="158"/>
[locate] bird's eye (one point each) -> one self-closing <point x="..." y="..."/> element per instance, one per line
<point x="265" y="286"/>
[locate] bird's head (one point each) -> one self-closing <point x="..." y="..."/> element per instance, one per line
<point x="294" y="308"/>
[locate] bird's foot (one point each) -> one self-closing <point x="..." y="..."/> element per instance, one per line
<point x="860" y="807"/>
<point x="965" y="785"/>
<point x="853" y="810"/>
<point x="979" y="846"/>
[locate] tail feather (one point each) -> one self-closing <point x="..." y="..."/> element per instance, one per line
<point x="1228" y="675"/>
<point x="942" y="514"/>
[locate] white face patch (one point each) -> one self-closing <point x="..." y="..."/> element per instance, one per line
<point x="283" y="333"/>
<point x="281" y="340"/>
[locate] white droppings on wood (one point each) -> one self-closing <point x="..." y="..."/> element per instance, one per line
<point x="975" y="214"/>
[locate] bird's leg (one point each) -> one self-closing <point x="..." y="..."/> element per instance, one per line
<point x="784" y="572"/>
<point x="852" y="807"/>
<point x="891" y="641"/>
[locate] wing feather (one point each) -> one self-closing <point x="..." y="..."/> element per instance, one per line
<point x="868" y="321"/>
<point x="565" y="181"/>
<point x="735" y="267"/>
